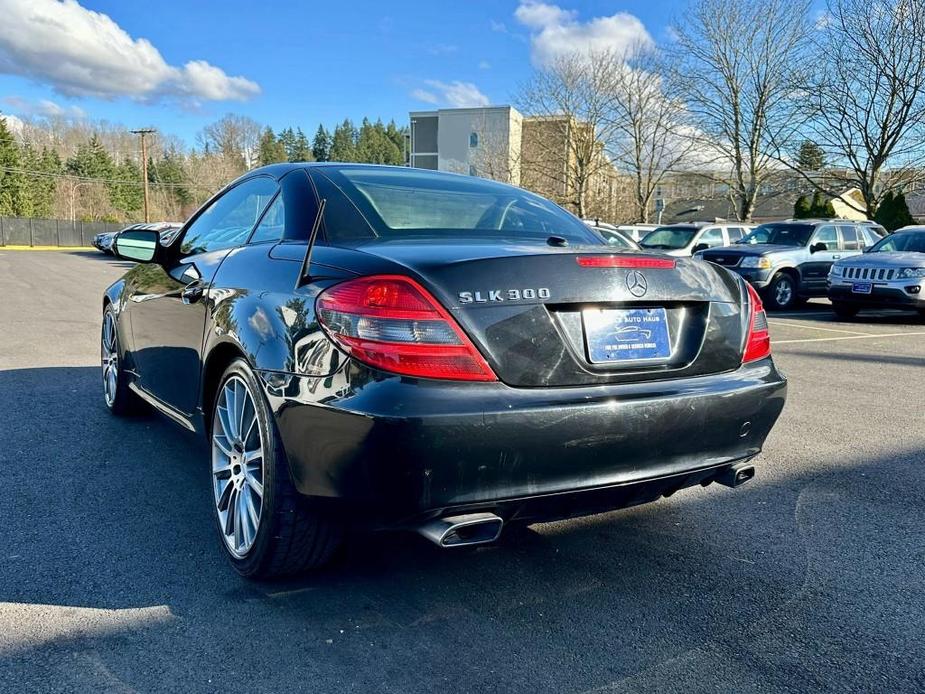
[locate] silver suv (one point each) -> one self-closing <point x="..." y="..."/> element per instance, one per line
<point x="788" y="262"/>
<point x="888" y="275"/>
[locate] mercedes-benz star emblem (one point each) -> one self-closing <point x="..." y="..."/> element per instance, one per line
<point x="636" y="283"/>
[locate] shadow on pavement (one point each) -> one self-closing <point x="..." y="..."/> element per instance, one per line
<point x="111" y="577"/>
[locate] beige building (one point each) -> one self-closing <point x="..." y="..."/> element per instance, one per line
<point x="555" y="156"/>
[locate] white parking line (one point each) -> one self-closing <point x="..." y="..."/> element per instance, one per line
<point x="801" y="314"/>
<point x="791" y="324"/>
<point x="865" y="336"/>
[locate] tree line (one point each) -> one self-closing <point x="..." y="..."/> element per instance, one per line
<point x="92" y="171"/>
<point x="746" y="93"/>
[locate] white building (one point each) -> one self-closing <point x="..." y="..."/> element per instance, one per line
<point x="475" y="141"/>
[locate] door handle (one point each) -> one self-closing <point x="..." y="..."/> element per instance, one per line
<point x="836" y="257"/>
<point x="192" y="292"/>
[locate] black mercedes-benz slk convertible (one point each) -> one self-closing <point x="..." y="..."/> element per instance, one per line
<point x="404" y="349"/>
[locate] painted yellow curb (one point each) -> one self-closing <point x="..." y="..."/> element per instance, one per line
<point x="46" y="248"/>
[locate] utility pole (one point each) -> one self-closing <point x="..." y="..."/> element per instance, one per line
<point x="144" y="162"/>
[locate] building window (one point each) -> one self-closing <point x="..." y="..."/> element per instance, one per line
<point x="473" y="139"/>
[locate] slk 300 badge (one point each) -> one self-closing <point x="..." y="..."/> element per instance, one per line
<point x="489" y="295"/>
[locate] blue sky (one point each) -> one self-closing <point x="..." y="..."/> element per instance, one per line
<point x="179" y="65"/>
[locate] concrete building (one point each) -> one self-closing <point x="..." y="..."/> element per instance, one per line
<point x="538" y="153"/>
<point x="476" y="141"/>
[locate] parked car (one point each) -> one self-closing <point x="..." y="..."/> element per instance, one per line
<point x="637" y="231"/>
<point x="103" y="242"/>
<point x="687" y="239"/>
<point x="167" y="230"/>
<point x="788" y="261"/>
<point x="612" y="235"/>
<point x="408" y="349"/>
<point x="889" y="274"/>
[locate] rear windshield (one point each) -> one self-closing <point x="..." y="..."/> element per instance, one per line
<point x="669" y="237"/>
<point x="780" y="234"/>
<point x="365" y="203"/>
<point x="906" y="242"/>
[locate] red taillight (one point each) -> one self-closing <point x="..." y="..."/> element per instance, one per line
<point x="626" y="262"/>
<point x="758" y="344"/>
<point x="393" y="323"/>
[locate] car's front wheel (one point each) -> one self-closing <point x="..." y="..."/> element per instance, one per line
<point x="118" y="397"/>
<point x="267" y="528"/>
<point x="782" y="293"/>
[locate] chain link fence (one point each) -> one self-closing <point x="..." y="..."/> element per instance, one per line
<point x="23" y="231"/>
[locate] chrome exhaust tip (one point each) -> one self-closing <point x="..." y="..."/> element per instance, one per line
<point x="736" y="475"/>
<point x="465" y="530"/>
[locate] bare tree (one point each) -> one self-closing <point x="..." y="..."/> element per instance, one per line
<point x="738" y="62"/>
<point x="651" y="136"/>
<point x="868" y="99"/>
<point x="236" y="138"/>
<point x="570" y="107"/>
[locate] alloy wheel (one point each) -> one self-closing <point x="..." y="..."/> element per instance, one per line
<point x="783" y="292"/>
<point x="110" y="359"/>
<point x="237" y="466"/>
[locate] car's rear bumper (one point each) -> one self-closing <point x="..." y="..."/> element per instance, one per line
<point x="881" y="296"/>
<point x="402" y="449"/>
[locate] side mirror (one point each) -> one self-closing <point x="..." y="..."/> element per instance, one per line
<point x="816" y="247"/>
<point x="141" y="246"/>
<point x="700" y="247"/>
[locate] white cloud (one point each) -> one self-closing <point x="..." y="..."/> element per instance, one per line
<point x="14" y="124"/>
<point x="80" y="52"/>
<point x="555" y="32"/>
<point x="453" y="94"/>
<point x="484" y="65"/>
<point x="43" y="107"/>
<point x="496" y="26"/>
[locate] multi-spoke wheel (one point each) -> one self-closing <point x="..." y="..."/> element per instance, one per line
<point x="119" y="399"/>
<point x="237" y="466"/>
<point x="266" y="527"/>
<point x="781" y="294"/>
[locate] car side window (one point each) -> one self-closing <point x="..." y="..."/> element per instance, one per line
<point x="228" y="221"/>
<point x="712" y="237"/>
<point x="827" y="235"/>
<point x="871" y="234"/>
<point x="735" y="233"/>
<point x="272" y="225"/>
<point x="850" y="240"/>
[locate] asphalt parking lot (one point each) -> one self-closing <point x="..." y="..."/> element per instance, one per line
<point x="809" y="578"/>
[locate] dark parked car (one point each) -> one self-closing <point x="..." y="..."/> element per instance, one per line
<point x="788" y="262"/>
<point x="399" y="348"/>
<point x="888" y="275"/>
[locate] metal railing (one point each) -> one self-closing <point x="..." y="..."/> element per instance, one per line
<point x="26" y="231"/>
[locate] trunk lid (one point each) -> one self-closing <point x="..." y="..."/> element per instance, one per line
<point x="531" y="310"/>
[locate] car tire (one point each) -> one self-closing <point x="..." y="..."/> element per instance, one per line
<point x="290" y="536"/>
<point x="781" y="293"/>
<point x="843" y="310"/>
<point x="118" y="397"/>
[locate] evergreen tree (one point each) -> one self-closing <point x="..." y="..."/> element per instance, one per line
<point x="399" y="137"/>
<point x="91" y="160"/>
<point x="38" y="193"/>
<point x="901" y="216"/>
<point x="374" y="145"/>
<point x="12" y="183"/>
<point x="821" y="207"/>
<point x="171" y="170"/>
<point x="811" y="156"/>
<point x="126" y="193"/>
<point x="287" y="140"/>
<point x="301" y="149"/>
<point x="270" y="150"/>
<point x="344" y="142"/>
<point x="321" y="145"/>
<point x="802" y="209"/>
<point x="886" y="211"/>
